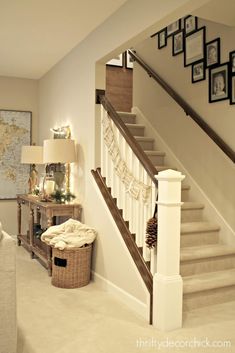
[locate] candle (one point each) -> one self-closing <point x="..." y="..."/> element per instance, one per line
<point x="49" y="187"/>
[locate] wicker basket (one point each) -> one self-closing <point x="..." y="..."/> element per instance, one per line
<point x="71" y="268"/>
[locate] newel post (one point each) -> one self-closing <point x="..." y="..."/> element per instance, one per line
<point x="167" y="282"/>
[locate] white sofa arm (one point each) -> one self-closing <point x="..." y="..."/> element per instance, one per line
<point x="8" y="326"/>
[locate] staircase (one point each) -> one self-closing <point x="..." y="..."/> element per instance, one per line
<point x="206" y="265"/>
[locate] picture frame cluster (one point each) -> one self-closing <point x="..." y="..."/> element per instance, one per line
<point x="190" y="40"/>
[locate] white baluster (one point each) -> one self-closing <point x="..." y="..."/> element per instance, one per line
<point x="146" y="215"/>
<point x="130" y="198"/>
<point x="138" y="213"/>
<point x="153" y="252"/>
<point x="103" y="113"/>
<point x="110" y="164"/>
<point x="114" y="175"/>
<point x="123" y="190"/>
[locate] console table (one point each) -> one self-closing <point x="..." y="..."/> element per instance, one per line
<point x="51" y="211"/>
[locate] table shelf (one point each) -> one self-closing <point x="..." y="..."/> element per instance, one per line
<point x="38" y="210"/>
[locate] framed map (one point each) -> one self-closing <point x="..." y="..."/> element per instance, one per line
<point x="15" y="131"/>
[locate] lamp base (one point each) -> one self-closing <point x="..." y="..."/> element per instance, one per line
<point x="33" y="180"/>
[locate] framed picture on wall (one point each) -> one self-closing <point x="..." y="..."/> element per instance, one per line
<point x="178" y="43"/>
<point x="232" y="90"/>
<point x="162" y="38"/>
<point x="232" y="61"/>
<point x="182" y="21"/>
<point x="117" y="61"/>
<point x="15" y="128"/>
<point x="190" y="24"/>
<point x="219" y="83"/>
<point x="213" y="52"/>
<point x="129" y="61"/>
<point x="198" y="72"/>
<point x="194" y="47"/>
<point x="173" y="28"/>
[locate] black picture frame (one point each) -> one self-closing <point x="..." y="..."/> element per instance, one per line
<point x="162" y="38"/>
<point x="194" y="46"/>
<point x="212" y="51"/>
<point x="178" y="43"/>
<point x="232" y="89"/>
<point x="182" y="21"/>
<point x="173" y="28"/>
<point x="219" y="87"/>
<point x="232" y="62"/>
<point x="198" y="71"/>
<point x="190" y="24"/>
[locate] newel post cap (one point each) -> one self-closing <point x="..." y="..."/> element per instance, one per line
<point x="169" y="175"/>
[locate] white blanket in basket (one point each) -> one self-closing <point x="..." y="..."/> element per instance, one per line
<point x="69" y="234"/>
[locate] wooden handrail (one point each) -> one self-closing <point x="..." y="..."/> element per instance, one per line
<point x="186" y="107"/>
<point x="142" y="157"/>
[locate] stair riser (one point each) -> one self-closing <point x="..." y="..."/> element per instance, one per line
<point x="184" y="195"/>
<point x="209" y="297"/>
<point x="136" y="131"/>
<point x="219" y="263"/>
<point x="146" y="145"/>
<point x="128" y="119"/>
<point x="191" y="215"/>
<point x="157" y="160"/>
<point x="196" y="239"/>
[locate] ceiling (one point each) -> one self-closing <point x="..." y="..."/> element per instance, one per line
<point x="36" y="34"/>
<point x="220" y="11"/>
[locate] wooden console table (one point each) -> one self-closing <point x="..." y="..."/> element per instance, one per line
<point x="50" y="211"/>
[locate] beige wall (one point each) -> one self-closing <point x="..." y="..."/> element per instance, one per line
<point x="17" y="94"/>
<point x="212" y="170"/>
<point x="67" y="95"/>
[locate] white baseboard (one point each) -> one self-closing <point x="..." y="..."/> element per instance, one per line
<point x="210" y="212"/>
<point x="132" y="302"/>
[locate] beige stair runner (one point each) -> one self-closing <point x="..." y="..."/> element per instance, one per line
<point x="207" y="266"/>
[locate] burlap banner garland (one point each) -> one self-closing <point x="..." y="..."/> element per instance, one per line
<point x="134" y="187"/>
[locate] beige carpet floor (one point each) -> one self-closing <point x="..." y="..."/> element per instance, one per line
<point x="90" y="320"/>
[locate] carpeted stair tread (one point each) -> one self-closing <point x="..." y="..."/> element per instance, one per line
<point x="198" y="227"/>
<point x="138" y="126"/>
<point x="185" y="187"/>
<point x="127" y="117"/>
<point x="144" y="138"/>
<point x="155" y="153"/>
<point x="160" y="168"/>
<point x="206" y="251"/>
<point x="192" y="206"/>
<point x="208" y="280"/>
<point x="126" y="114"/>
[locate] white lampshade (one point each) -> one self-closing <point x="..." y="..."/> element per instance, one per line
<point x="59" y="151"/>
<point x="32" y="155"/>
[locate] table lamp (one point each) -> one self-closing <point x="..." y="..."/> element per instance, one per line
<point x="59" y="151"/>
<point x="32" y="155"/>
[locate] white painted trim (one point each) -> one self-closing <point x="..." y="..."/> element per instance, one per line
<point x="132" y="302"/>
<point x="210" y="211"/>
<point x="169" y="204"/>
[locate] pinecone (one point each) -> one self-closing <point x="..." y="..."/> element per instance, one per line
<point x="151" y="233"/>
